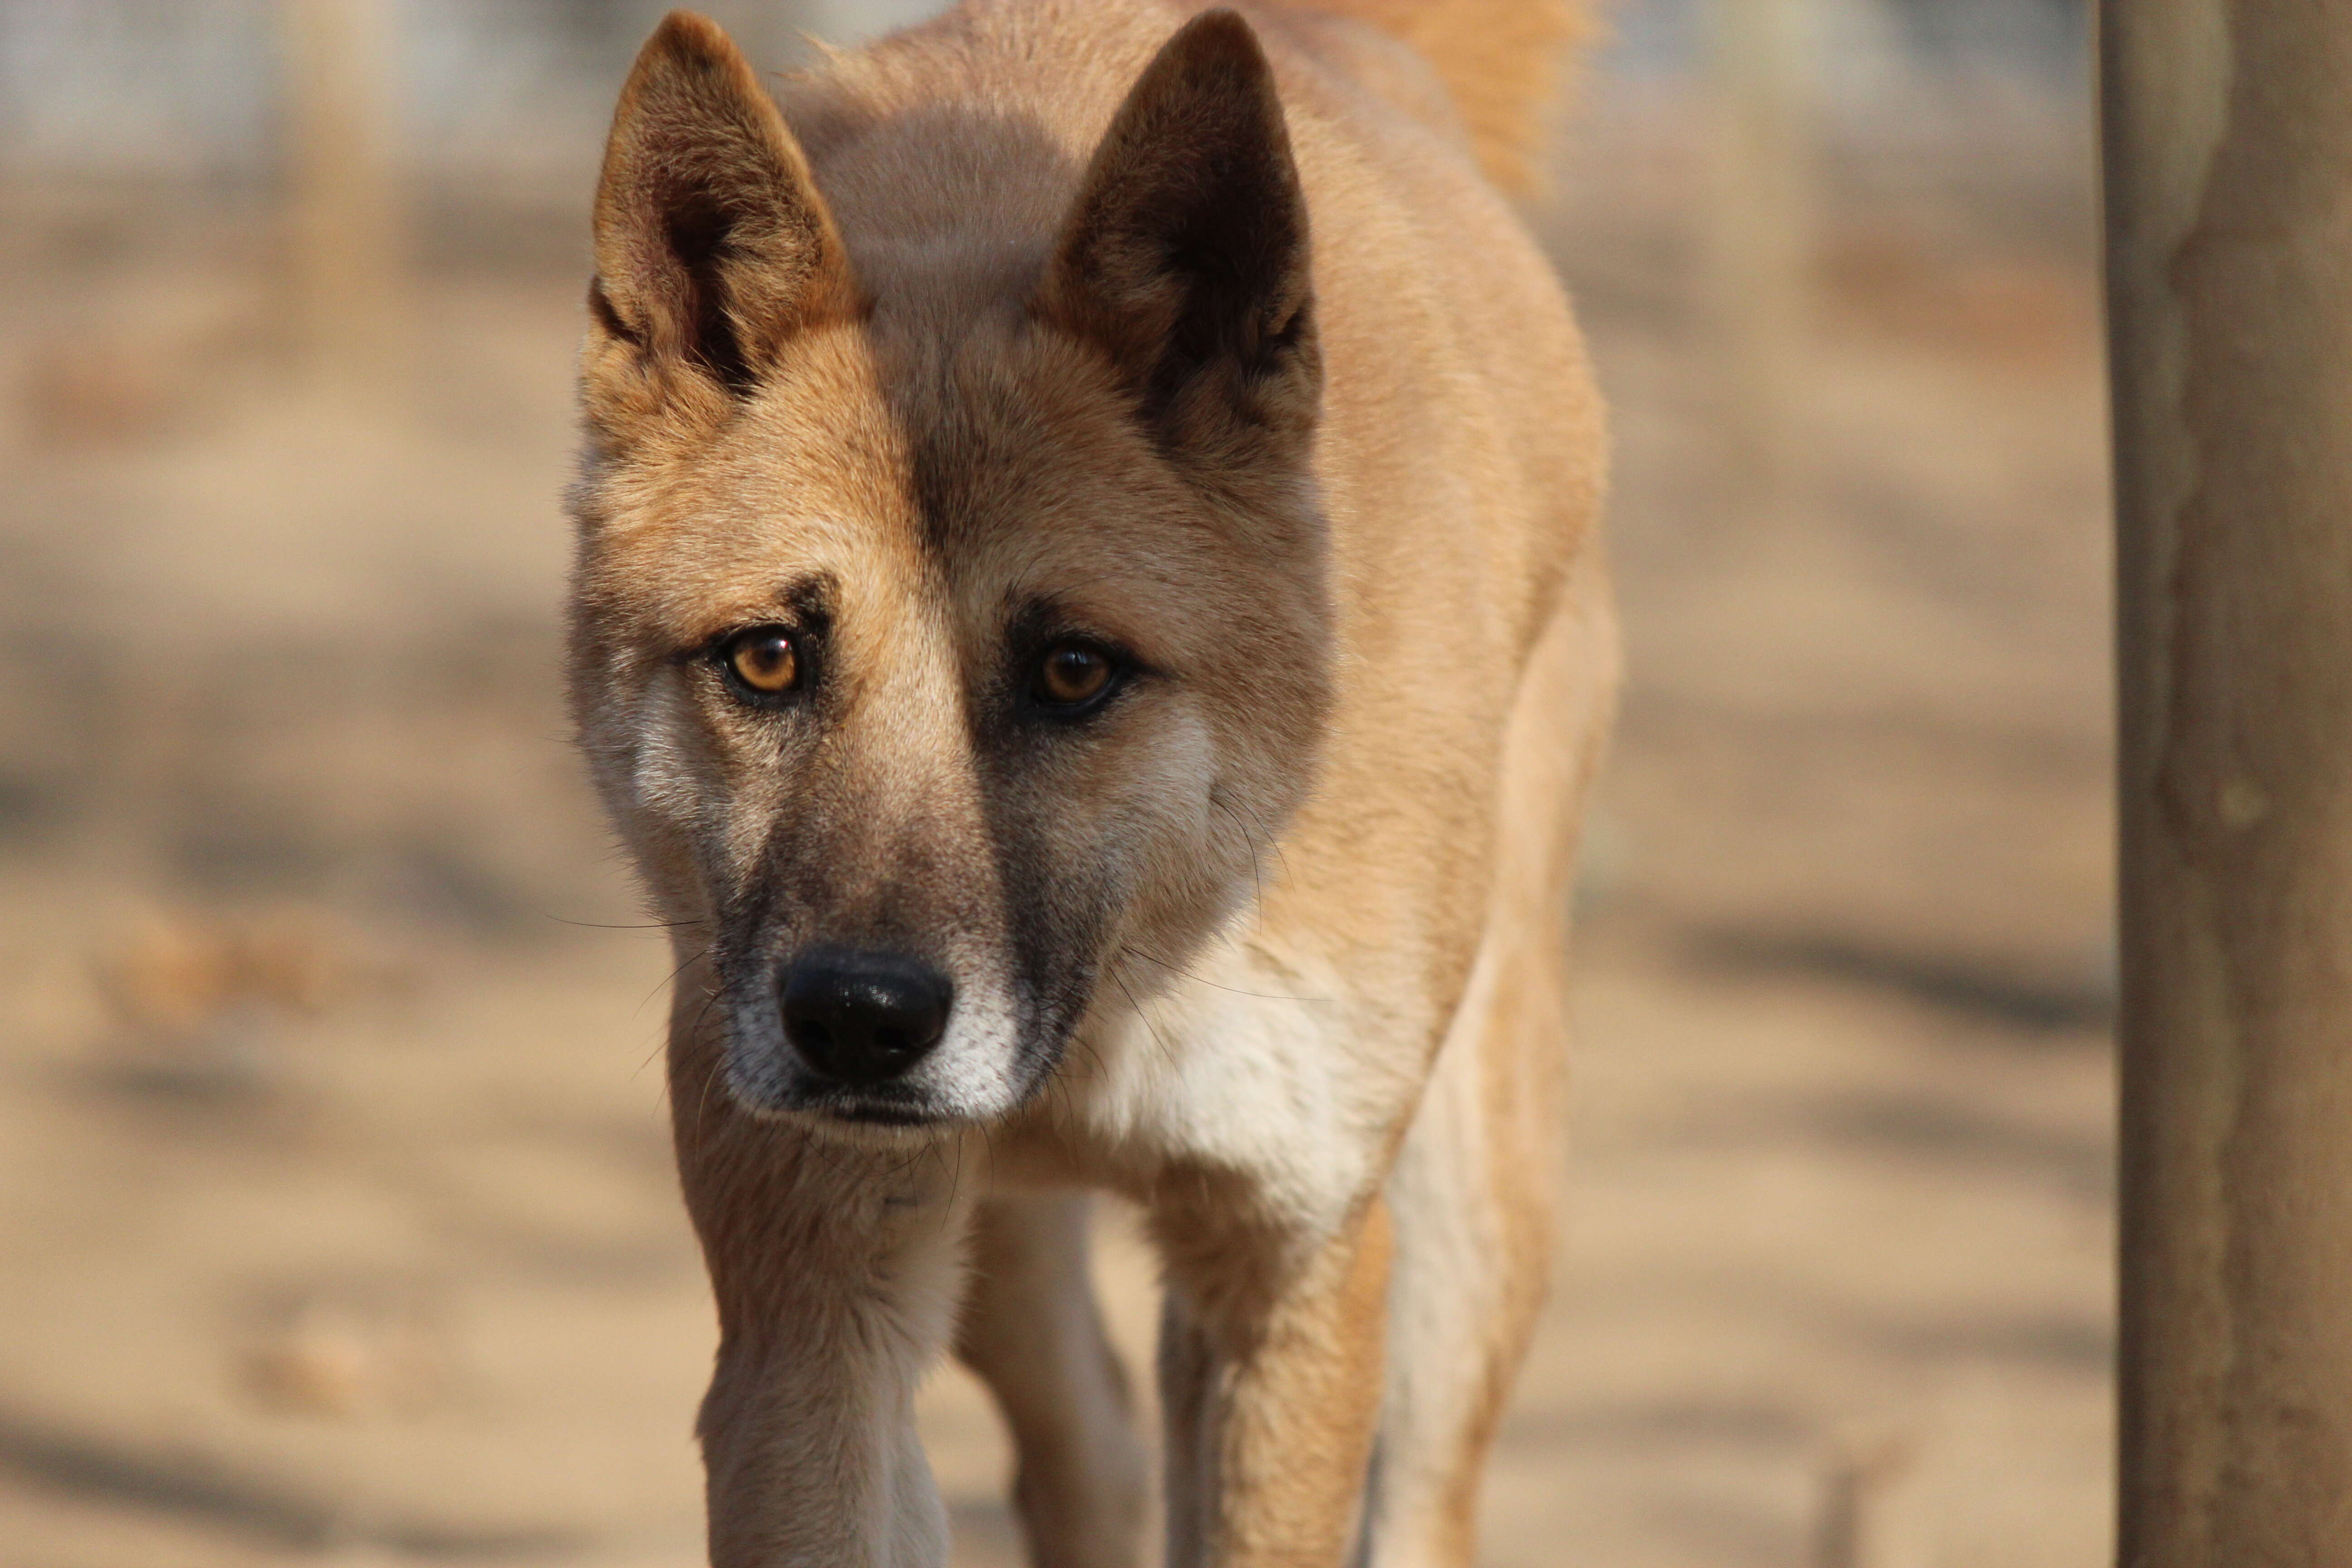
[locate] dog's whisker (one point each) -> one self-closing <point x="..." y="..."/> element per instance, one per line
<point x="1273" y="839"/>
<point x="630" y="925"/>
<point x="671" y="978"/>
<point x="955" y="1180"/>
<point x="1166" y="1053"/>
<point x="1234" y="990"/>
<point x="1257" y="874"/>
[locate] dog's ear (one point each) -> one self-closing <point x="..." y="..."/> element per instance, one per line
<point x="1185" y="258"/>
<point x="712" y="246"/>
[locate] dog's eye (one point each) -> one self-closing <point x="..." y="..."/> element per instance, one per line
<point x="764" y="660"/>
<point x="1071" y="675"/>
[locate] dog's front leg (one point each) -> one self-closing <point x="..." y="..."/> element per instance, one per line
<point x="837" y="1270"/>
<point x="1271" y="1373"/>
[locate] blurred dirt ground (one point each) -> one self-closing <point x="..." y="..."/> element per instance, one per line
<point x="337" y="1217"/>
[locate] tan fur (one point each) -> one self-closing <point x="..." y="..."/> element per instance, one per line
<point x="1500" y="60"/>
<point x="1204" y="341"/>
<point x="1031" y="1331"/>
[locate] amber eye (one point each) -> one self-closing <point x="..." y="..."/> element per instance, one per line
<point x="1072" y="673"/>
<point x="763" y="660"/>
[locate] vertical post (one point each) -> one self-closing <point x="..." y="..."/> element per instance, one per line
<point x="2228" y="154"/>
<point x="1759" y="213"/>
<point x="348" y="248"/>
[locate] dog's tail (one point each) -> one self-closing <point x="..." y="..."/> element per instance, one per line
<point x="1502" y="61"/>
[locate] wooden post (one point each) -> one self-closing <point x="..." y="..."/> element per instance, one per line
<point x="348" y="250"/>
<point x="2227" y="152"/>
<point x="1759" y="213"/>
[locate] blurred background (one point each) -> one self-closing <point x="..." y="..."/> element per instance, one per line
<point x="336" y="1215"/>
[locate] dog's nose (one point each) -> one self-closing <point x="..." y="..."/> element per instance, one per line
<point x="862" y="1017"/>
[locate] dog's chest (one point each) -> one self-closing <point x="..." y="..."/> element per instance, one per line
<point x="1238" y="1069"/>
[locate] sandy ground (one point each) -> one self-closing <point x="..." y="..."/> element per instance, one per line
<point x="336" y="1222"/>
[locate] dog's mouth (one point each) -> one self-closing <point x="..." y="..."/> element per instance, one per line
<point x="899" y="1106"/>
<point x="883" y="1108"/>
<point x="877" y="1107"/>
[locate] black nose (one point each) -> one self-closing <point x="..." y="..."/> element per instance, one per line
<point x="862" y="1017"/>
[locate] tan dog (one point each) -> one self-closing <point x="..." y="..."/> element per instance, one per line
<point x="1090" y="619"/>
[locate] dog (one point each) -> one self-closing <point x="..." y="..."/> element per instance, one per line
<point x="1090" y="617"/>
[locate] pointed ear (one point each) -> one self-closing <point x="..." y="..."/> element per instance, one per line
<point x="1185" y="258"/>
<point x="712" y="246"/>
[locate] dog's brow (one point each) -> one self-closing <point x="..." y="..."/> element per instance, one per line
<point x="810" y="598"/>
<point x="805" y="603"/>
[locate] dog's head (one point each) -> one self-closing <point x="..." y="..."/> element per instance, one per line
<point x="949" y="636"/>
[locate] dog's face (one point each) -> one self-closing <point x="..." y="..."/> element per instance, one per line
<point x="946" y="681"/>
